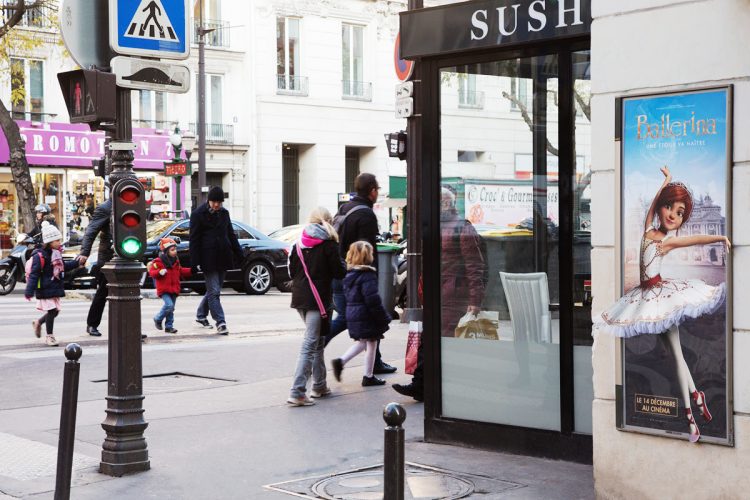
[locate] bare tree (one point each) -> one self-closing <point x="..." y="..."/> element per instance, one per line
<point x="18" y="38"/>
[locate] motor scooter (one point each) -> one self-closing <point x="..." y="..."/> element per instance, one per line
<point x="13" y="267"/>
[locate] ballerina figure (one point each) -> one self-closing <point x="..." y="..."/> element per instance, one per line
<point x="659" y="305"/>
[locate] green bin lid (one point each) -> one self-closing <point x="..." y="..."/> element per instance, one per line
<point x="388" y="247"/>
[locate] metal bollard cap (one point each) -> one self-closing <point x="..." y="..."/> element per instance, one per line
<point x="73" y="352"/>
<point x="394" y="414"/>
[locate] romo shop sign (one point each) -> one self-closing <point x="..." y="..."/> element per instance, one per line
<point x="491" y="23"/>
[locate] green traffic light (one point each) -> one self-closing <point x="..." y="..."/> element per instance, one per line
<point x="131" y="246"/>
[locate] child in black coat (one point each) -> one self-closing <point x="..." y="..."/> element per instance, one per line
<point x="366" y="316"/>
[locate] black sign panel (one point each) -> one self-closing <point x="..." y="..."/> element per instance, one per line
<point x="491" y="23"/>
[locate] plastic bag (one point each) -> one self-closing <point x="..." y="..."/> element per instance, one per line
<point x="412" y="346"/>
<point x="483" y="325"/>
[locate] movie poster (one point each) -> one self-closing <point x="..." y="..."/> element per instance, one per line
<point x="674" y="312"/>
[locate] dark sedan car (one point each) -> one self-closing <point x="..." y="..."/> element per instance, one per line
<point x="265" y="261"/>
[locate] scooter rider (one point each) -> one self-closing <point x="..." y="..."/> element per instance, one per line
<point x="42" y="213"/>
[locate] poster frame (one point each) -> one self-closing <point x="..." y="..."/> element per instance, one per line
<point x="620" y="389"/>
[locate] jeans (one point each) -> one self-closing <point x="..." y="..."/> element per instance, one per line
<point x="167" y="310"/>
<point x="99" y="301"/>
<point x="211" y="301"/>
<point x="311" y="358"/>
<point x="338" y="325"/>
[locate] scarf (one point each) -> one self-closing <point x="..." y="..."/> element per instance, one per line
<point x="58" y="266"/>
<point x="167" y="260"/>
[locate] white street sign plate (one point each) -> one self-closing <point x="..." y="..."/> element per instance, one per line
<point x="405" y="89"/>
<point x="145" y="74"/>
<point x="153" y="28"/>
<point x="404" y="107"/>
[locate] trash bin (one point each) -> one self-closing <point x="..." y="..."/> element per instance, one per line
<point x="387" y="275"/>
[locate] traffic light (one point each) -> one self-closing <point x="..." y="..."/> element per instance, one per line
<point x="129" y="218"/>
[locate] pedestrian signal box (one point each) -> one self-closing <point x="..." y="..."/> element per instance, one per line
<point x="89" y="95"/>
<point x="129" y="218"/>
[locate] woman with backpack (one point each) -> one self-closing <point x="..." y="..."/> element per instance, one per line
<point x="314" y="262"/>
<point x="45" y="280"/>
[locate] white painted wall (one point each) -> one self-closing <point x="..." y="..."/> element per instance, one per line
<point x="650" y="46"/>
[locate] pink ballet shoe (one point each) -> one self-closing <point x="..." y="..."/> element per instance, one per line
<point x="695" y="433"/>
<point x="702" y="405"/>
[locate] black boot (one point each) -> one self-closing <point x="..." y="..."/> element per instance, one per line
<point x="92" y="330"/>
<point x="383" y="368"/>
<point x="409" y="390"/>
<point x="369" y="381"/>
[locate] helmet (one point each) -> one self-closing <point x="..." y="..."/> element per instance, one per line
<point x="43" y="208"/>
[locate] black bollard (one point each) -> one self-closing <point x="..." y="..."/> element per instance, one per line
<point x="67" y="437"/>
<point x="393" y="451"/>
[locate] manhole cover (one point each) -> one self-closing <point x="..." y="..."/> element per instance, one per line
<point x="369" y="485"/>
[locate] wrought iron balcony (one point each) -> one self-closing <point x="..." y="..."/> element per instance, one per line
<point x="217" y="33"/>
<point x="359" y="91"/>
<point x="292" y="85"/>
<point x="216" y="133"/>
<point x="470" y="99"/>
<point x="33" y="116"/>
<point x="156" y="124"/>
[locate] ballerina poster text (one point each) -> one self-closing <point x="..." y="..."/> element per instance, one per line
<point x="673" y="316"/>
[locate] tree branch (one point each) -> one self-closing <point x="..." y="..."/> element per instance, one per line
<point x="527" y="118"/>
<point x="585" y="106"/>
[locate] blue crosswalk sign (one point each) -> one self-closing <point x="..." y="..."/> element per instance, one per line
<point x="153" y="28"/>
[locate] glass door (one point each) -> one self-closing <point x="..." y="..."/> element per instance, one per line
<point x="499" y="244"/>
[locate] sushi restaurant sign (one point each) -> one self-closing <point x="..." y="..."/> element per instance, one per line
<point x="491" y="23"/>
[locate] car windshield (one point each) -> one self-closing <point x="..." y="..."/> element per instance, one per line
<point x="156" y="228"/>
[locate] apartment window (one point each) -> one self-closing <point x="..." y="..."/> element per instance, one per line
<point x="152" y="109"/>
<point x="352" y="44"/>
<point x="468" y="97"/>
<point x="288" y="54"/>
<point x="519" y="89"/>
<point x="27" y="89"/>
<point x="214" y="98"/>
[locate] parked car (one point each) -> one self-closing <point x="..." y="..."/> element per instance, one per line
<point x="289" y="235"/>
<point x="265" y="261"/>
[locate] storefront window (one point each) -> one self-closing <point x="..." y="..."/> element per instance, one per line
<point x="8" y="214"/>
<point x="85" y="193"/>
<point x="499" y="227"/>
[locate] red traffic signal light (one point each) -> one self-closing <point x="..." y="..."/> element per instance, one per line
<point x="128" y="218"/>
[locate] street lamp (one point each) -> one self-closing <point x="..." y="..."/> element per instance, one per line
<point x="177" y="168"/>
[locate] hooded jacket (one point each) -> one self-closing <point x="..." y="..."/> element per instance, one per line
<point x="42" y="282"/>
<point x="366" y="317"/>
<point x="170" y="282"/>
<point x="321" y="254"/>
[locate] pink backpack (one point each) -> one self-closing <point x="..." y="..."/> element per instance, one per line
<point x="30" y="263"/>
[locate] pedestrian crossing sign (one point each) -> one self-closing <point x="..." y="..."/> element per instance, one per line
<point x="153" y="28"/>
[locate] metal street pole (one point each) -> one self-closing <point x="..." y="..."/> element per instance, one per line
<point x="201" y="107"/>
<point x="178" y="183"/>
<point x="413" y="184"/>
<point x="124" y="450"/>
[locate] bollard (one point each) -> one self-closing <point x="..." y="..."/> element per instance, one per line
<point x="393" y="450"/>
<point x="67" y="422"/>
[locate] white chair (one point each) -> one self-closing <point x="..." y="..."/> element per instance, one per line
<point x="527" y="295"/>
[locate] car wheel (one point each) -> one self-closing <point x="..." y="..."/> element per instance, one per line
<point x="284" y="286"/>
<point x="258" y="278"/>
<point x="7" y="280"/>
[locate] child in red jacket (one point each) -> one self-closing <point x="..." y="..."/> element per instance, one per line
<point x="166" y="272"/>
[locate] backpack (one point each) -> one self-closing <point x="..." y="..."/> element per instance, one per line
<point x="30" y="263"/>
<point x="339" y="219"/>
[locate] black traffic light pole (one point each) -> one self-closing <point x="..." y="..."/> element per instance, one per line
<point x="124" y="450"/>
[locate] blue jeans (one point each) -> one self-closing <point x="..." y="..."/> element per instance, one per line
<point x="211" y="301"/>
<point x="167" y="310"/>
<point x="311" y="360"/>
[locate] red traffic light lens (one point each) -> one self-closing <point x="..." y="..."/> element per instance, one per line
<point x="131" y="220"/>
<point x="129" y="195"/>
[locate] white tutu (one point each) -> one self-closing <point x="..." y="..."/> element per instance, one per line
<point x="658" y="304"/>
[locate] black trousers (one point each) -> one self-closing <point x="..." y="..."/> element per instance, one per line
<point x="48" y="320"/>
<point x="98" y="302"/>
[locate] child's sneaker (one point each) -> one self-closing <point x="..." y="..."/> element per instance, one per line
<point x="222" y="329"/>
<point x="51" y="341"/>
<point x="157" y="324"/>
<point x="203" y="322"/>
<point x="300" y="401"/>
<point x="320" y="394"/>
<point x="170" y="330"/>
<point x="37" y="328"/>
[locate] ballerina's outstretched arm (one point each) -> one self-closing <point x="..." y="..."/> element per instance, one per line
<point x="652" y="209"/>
<point x="689" y="241"/>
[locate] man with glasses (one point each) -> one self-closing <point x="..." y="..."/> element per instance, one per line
<point x="356" y="221"/>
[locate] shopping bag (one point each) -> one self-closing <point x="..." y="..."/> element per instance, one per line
<point x="412" y="346"/>
<point x="483" y="325"/>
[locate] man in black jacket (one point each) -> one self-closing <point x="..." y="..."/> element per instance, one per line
<point x="99" y="224"/>
<point x="214" y="249"/>
<point x="360" y="224"/>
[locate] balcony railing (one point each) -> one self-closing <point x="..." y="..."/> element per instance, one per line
<point x="38" y="17"/>
<point x="359" y="91"/>
<point x="291" y="85"/>
<point x="157" y="124"/>
<point x="218" y="37"/>
<point x="470" y="99"/>
<point x="33" y="117"/>
<point x="216" y="133"/>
